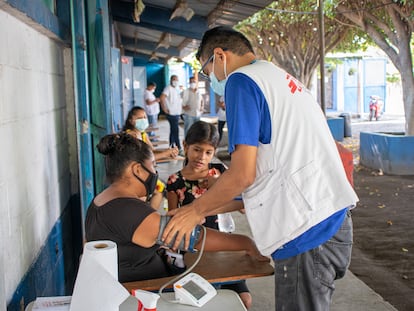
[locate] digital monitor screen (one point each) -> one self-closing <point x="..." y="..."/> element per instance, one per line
<point x="194" y="289"/>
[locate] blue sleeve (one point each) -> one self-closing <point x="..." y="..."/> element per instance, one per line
<point x="247" y="112"/>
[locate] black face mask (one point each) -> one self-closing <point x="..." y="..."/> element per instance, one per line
<point x="150" y="183"/>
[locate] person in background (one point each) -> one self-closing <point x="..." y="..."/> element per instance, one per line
<point x="152" y="106"/>
<point x="136" y="125"/>
<point x="196" y="177"/>
<point x="171" y="105"/>
<point x="120" y="214"/>
<point x="193" y="105"/>
<point x="221" y="114"/>
<point x="375" y="107"/>
<point x="286" y="165"/>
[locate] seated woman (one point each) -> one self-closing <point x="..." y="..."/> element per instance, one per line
<point x="136" y="125"/>
<point x="119" y="214"/>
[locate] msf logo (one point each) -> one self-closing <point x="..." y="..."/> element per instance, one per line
<point x="293" y="84"/>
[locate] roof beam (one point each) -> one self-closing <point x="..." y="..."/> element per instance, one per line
<point x="149" y="45"/>
<point x="159" y="19"/>
<point x="145" y="58"/>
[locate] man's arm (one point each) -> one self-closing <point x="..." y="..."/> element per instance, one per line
<point x="152" y="102"/>
<point x="163" y="98"/>
<point x="235" y="180"/>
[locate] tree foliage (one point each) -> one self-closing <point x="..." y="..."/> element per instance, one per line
<point x="287" y="34"/>
<point x="389" y="24"/>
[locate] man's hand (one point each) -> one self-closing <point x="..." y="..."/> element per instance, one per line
<point x="183" y="222"/>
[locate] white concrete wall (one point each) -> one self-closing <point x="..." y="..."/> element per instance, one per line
<point x="36" y="155"/>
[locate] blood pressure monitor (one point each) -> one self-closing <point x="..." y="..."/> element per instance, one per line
<point x="193" y="290"/>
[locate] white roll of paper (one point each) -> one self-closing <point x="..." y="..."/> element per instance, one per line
<point x="97" y="287"/>
<point x="105" y="253"/>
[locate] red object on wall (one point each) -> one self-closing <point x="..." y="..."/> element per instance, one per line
<point x="348" y="162"/>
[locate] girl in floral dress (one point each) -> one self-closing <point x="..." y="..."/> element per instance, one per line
<point x="197" y="175"/>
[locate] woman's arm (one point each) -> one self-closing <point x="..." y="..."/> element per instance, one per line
<point x="172" y="200"/>
<point x="220" y="241"/>
<point x="166" y="153"/>
<point x="146" y="233"/>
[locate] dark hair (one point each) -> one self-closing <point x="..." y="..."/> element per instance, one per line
<point x="128" y="122"/>
<point x="172" y="77"/>
<point x="152" y="83"/>
<point x="225" y="38"/>
<point x="119" y="151"/>
<point x="202" y="132"/>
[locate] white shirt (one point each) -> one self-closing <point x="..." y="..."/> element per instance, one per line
<point x="192" y="100"/>
<point x="173" y="100"/>
<point x="154" y="108"/>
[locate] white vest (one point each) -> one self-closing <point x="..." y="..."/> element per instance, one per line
<point x="300" y="180"/>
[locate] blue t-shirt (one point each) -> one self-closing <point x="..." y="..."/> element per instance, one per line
<point x="248" y="123"/>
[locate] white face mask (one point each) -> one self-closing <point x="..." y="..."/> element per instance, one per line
<point x="193" y="85"/>
<point x="174" y="83"/>
<point x="141" y="124"/>
<point x="218" y="86"/>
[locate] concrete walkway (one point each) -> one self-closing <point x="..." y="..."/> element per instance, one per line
<point x="351" y="293"/>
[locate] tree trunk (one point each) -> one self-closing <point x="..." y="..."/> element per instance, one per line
<point x="408" y="98"/>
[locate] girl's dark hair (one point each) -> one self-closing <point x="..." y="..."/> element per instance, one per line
<point x="119" y="151"/>
<point x="128" y="122"/>
<point x="225" y="38"/>
<point x="202" y="132"/>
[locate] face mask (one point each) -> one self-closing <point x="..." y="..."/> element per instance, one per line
<point x="193" y="85"/>
<point x="152" y="91"/>
<point x="141" y="124"/>
<point x="218" y="86"/>
<point x="174" y="83"/>
<point x="150" y="183"/>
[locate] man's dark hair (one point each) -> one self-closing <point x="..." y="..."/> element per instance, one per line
<point x="152" y="84"/>
<point x="225" y="38"/>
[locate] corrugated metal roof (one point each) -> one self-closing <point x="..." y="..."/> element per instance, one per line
<point x="156" y="34"/>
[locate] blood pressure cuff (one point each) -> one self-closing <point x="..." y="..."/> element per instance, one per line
<point x="194" y="237"/>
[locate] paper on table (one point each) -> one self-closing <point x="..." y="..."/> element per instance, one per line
<point x="58" y="303"/>
<point x="96" y="289"/>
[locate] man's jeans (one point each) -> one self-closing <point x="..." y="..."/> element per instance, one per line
<point x="306" y="281"/>
<point x="188" y="121"/>
<point x="152" y="120"/>
<point x="174" y="130"/>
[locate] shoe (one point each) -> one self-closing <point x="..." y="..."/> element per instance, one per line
<point x="181" y="153"/>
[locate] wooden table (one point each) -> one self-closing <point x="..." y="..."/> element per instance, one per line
<point x="216" y="267"/>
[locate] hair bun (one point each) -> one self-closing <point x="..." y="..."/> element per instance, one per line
<point x="108" y="144"/>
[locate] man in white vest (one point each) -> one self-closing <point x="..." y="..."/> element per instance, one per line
<point x="286" y="165"/>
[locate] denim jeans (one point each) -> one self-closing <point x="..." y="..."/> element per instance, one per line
<point x="220" y="128"/>
<point x="152" y="120"/>
<point x="174" y="130"/>
<point x="306" y="281"/>
<point x="188" y="121"/>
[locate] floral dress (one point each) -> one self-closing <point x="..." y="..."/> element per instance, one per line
<point x="189" y="190"/>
